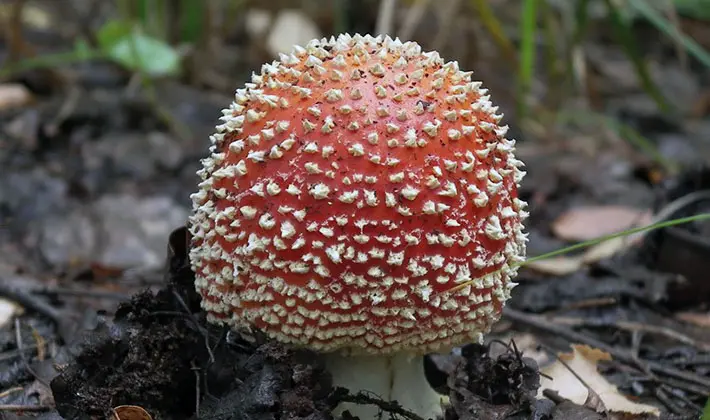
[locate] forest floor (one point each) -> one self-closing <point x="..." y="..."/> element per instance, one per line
<point x="97" y="308"/>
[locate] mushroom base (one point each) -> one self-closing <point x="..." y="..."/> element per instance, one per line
<point x="398" y="377"/>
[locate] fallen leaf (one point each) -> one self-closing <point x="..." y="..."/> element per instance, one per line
<point x="585" y="223"/>
<point x="130" y="412"/>
<point x="563" y="265"/>
<point x="40" y="391"/>
<point x="695" y="318"/>
<point x="583" y="361"/>
<point x="8" y="310"/>
<point x="568" y="410"/>
<point x="605" y="249"/>
<point x="13" y="95"/>
<point x="556" y="266"/>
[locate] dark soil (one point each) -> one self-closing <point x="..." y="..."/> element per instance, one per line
<point x="158" y="354"/>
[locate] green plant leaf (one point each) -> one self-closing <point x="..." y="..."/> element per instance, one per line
<point x="698" y="9"/>
<point x="146" y="54"/>
<point x="113" y="32"/>
<point x="706" y="412"/>
<point x="495" y="29"/>
<point x="663" y="25"/>
<point x="82" y="49"/>
<point x="127" y="46"/>
<point x="621" y="27"/>
<point x="192" y="15"/>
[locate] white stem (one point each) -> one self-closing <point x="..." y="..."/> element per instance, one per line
<point x="397" y="377"/>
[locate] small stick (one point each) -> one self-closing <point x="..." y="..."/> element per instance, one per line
<point x="23" y="358"/>
<point x="11" y="354"/>
<point x="30" y="302"/>
<point x="633" y="327"/>
<point x="391" y="407"/>
<point x="51" y="290"/>
<point x="28" y="408"/>
<point x="538" y="322"/>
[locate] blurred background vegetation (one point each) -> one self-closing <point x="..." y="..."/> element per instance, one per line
<point x="541" y="58"/>
<point x="547" y="62"/>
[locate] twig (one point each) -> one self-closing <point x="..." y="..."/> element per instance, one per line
<point x="587" y="303"/>
<point x="192" y="317"/>
<point x="385" y="17"/>
<point x="634" y="327"/>
<point x="65" y="110"/>
<point x="591" y="393"/>
<point x="540" y="323"/>
<point x="681" y="397"/>
<point x="28" y="408"/>
<point x="11" y="354"/>
<point x="25" y="362"/>
<point x="62" y="291"/>
<point x="30" y="302"/>
<point x="11" y="391"/>
<point x="196" y="369"/>
<point x="690" y="388"/>
<point x="661" y="395"/>
<point x="389" y="406"/>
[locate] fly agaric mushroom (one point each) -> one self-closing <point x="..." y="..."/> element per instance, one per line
<point x="360" y="199"/>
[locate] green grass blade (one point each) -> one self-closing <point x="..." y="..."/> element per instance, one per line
<point x="51" y="60"/>
<point x="592" y="242"/>
<point x="495" y="29"/>
<point x="526" y="66"/>
<point x="581" y="16"/>
<point x="670" y="30"/>
<point x="595" y="241"/>
<point x="623" y="33"/>
<point x="580" y="23"/>
<point x="697" y="9"/>
<point x="192" y="18"/>
<point x="624" y="131"/>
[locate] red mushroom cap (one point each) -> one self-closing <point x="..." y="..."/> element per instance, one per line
<point x="352" y="186"/>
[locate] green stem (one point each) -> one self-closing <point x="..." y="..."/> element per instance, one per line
<point x="51" y="60"/>
<point x="592" y="242"/>
<point x="527" y="54"/>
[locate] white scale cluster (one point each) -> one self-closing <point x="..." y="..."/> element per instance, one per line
<point x="359" y="194"/>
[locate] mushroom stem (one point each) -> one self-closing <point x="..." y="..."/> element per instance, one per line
<point x="398" y="377"/>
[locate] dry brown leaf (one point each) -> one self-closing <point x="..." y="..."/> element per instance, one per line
<point x="585" y="223"/>
<point x="130" y="412"/>
<point x="563" y="265"/>
<point x="8" y="311"/>
<point x="604" y="249"/>
<point x="556" y="266"/>
<point x="13" y="95"/>
<point x="41" y="391"/>
<point x="583" y="361"/>
<point x="695" y="318"/>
